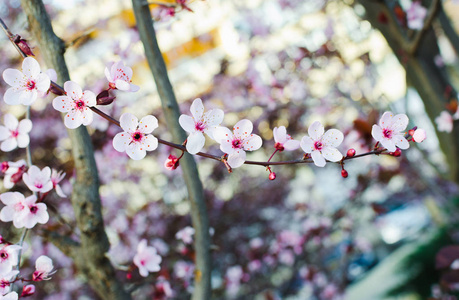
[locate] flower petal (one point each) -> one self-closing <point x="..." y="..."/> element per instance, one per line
<point x="89" y="98"/>
<point x="122" y="85"/>
<point x="243" y="129"/>
<point x="252" y="143"/>
<point x="134" y="88"/>
<point x="136" y="151"/>
<point x="150" y="142"/>
<point x="13" y="77"/>
<point x="147" y="124"/>
<point x="86" y="116"/>
<point x="399" y="122"/>
<point x="25" y="126"/>
<point x="386" y="119"/>
<point x="197" y="109"/>
<point x="42" y="83"/>
<point x="307" y="144"/>
<point x="120" y="141"/>
<point x="400" y="141"/>
<point x="237" y="158"/>
<point x="4" y="133"/>
<point x="222" y="133"/>
<point x="129" y="122"/>
<point x="27" y="97"/>
<point x="214" y="117"/>
<point x="195" y="142"/>
<point x="73" y="119"/>
<point x="63" y="103"/>
<point x="291" y="145"/>
<point x="73" y="90"/>
<point x="388" y="144"/>
<point x="377" y="133"/>
<point x="30" y="67"/>
<point x="187" y="123"/>
<point x="318" y="159"/>
<point x="332" y="154"/>
<point x="9" y="144"/>
<point x="23" y="140"/>
<point x="10" y="122"/>
<point x="280" y="134"/>
<point x="316" y="131"/>
<point x="332" y="138"/>
<point x="13" y="96"/>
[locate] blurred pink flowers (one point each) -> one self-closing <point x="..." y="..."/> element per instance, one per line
<point x="14" y="134"/>
<point x="146" y="259"/>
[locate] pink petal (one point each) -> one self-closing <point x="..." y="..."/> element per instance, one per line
<point x="187" y="123"/>
<point x="42" y="216"/>
<point x="318" y="159"/>
<point x="13" y="77"/>
<point x="316" y="131"/>
<point x="147" y="124"/>
<point x="60" y="192"/>
<point x="197" y="109"/>
<point x="73" y="90"/>
<point x="252" y="143"/>
<point x="236" y="159"/>
<point x="9" y="144"/>
<point x="291" y="145"/>
<point x="333" y="138"/>
<point x="332" y="154"/>
<point x="120" y="141"/>
<point x="129" y="122"/>
<point x="243" y="129"/>
<point x="195" y="142"/>
<point x="63" y="104"/>
<point x="25" y="126"/>
<point x="307" y="144"/>
<point x="150" y="143"/>
<point x="30" y="67"/>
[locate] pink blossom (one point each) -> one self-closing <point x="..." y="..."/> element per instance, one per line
<point x="389" y="134"/>
<point x="184" y="270"/>
<point x="415" y="15"/>
<point x="186" y="235"/>
<point x="25" y="85"/>
<point x="171" y="162"/>
<point x="419" y="135"/>
<point x="14" y="134"/>
<point x="444" y="122"/>
<point x="199" y="124"/>
<point x="119" y="77"/>
<point x="136" y="138"/>
<point x="5" y="279"/>
<point x="8" y="258"/>
<point x="43" y="268"/>
<point x="146" y="259"/>
<point x="9" y="296"/>
<point x="13" y="172"/>
<point x="24" y="212"/>
<point x="283" y="140"/>
<point x="38" y="180"/>
<point x="57" y="177"/>
<point x="76" y="104"/>
<point x="28" y="290"/>
<point x="236" y="144"/>
<point x="322" y="146"/>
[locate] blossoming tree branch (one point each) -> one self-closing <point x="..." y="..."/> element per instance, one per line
<point x="31" y="83"/>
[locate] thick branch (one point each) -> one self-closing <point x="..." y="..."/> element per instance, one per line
<point x="171" y="110"/>
<point x="85" y="197"/>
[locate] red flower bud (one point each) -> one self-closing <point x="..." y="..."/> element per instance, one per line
<point x="344" y="173"/>
<point x="350" y="152"/>
<point x="104" y="98"/>
<point x="28" y="290"/>
<point x="396" y="153"/>
<point x="272" y="176"/>
<point x="22" y="44"/>
<point x="171" y="163"/>
<point x="4" y="166"/>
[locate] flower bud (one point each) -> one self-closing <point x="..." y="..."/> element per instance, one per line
<point x="22" y="44"/>
<point x="272" y="176"/>
<point x="350" y="152"/>
<point x="28" y="290"/>
<point x="4" y="166"/>
<point x="344" y="173"/>
<point x="396" y="153"/>
<point x="171" y="163"/>
<point x="279" y="147"/>
<point x="419" y="135"/>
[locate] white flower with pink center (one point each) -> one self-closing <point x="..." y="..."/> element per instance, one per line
<point x="25" y="85"/>
<point x="57" y="177"/>
<point x="119" y="77"/>
<point x="415" y="15"/>
<point x="186" y="235"/>
<point x="322" y="146"/>
<point x="237" y="142"/>
<point x="389" y="134"/>
<point x="13" y="172"/>
<point x="8" y="258"/>
<point x="136" y="138"/>
<point x="9" y="296"/>
<point x="76" y="104"/>
<point x="146" y="259"/>
<point x="14" y="134"/>
<point x="283" y="140"/>
<point x="199" y="124"/>
<point x="5" y="280"/>
<point x="38" y="180"/>
<point x="444" y="122"/>
<point x="43" y="268"/>
<point x="24" y="212"/>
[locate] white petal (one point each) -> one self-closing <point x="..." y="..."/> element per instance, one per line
<point x="195" y="142"/>
<point x="10" y="122"/>
<point x="136" y="151"/>
<point x="386" y="119"/>
<point x="243" y="129"/>
<point x="129" y="122"/>
<point x="236" y="159"/>
<point x="291" y="145"/>
<point x="147" y="124"/>
<point x="73" y="119"/>
<point x="13" y="77"/>
<point x="252" y="143"/>
<point x="11" y="198"/>
<point x="388" y="144"/>
<point x="222" y="133"/>
<point x="86" y="116"/>
<point x="377" y="133"/>
<point x="30" y="67"/>
<point x="332" y="138"/>
<point x="52" y="75"/>
<point x="399" y="122"/>
<point x="42" y="83"/>
<point x="63" y="103"/>
<point x="60" y="192"/>
<point x="120" y="141"/>
<point x="227" y="147"/>
<point x="27" y="97"/>
<point x="9" y="144"/>
<point x="73" y="90"/>
<point x="89" y="98"/>
<point x="150" y="142"/>
<point x="280" y="134"/>
<point x="107" y="73"/>
<point x="4" y="133"/>
<point x="197" y="109"/>
<point x="214" y="117"/>
<point x="187" y="123"/>
<point x="134" y="88"/>
<point x="7" y="214"/>
<point x="13" y="96"/>
<point x="25" y="126"/>
<point x="332" y="154"/>
<point x="316" y="131"/>
<point x="307" y="144"/>
<point x="400" y="141"/>
<point x="122" y="85"/>
<point x="318" y="159"/>
<point x="23" y="140"/>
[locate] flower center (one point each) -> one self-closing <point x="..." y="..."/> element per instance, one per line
<point x="279" y="146"/>
<point x="237" y="143"/>
<point x="200" y="126"/>
<point x="318" y="145"/>
<point x="33" y="209"/>
<point x="30" y="85"/>
<point x="387" y="133"/>
<point x="79" y="104"/>
<point x="137" y="136"/>
<point x="38" y="185"/>
<point x="3" y="255"/>
<point x="4" y="283"/>
<point x="14" y="133"/>
<point x="4" y="166"/>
